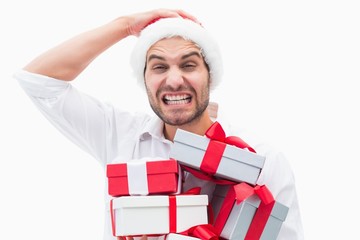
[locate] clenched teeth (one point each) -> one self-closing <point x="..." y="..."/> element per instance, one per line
<point x="177" y="99"/>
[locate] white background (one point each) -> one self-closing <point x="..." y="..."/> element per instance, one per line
<point x="291" y="76"/>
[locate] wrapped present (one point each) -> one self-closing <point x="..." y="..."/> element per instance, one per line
<point x="143" y="177"/>
<point x="216" y="155"/>
<point x="246" y="212"/>
<point x="157" y="214"/>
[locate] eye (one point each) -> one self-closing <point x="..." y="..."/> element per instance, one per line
<point x="189" y="66"/>
<point x="159" y="68"/>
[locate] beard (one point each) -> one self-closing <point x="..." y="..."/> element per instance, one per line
<point x="180" y="116"/>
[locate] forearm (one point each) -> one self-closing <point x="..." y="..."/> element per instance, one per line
<point x="67" y="60"/>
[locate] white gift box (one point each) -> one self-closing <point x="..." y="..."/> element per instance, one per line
<point x="236" y="164"/>
<point x="241" y="216"/>
<point x="174" y="236"/>
<point x="145" y="215"/>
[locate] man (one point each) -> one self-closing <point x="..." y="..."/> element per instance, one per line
<point x="178" y="63"/>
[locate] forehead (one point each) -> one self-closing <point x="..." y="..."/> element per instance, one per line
<point x="173" y="46"/>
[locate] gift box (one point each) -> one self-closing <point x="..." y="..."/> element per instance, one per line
<point x="143" y="177"/>
<point x="216" y="157"/>
<point x="174" y="236"/>
<point x="246" y="220"/>
<point x="157" y="214"/>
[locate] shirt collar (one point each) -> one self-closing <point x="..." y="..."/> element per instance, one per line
<point x="153" y="128"/>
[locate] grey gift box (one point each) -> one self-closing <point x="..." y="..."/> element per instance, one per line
<point x="242" y="214"/>
<point x="239" y="165"/>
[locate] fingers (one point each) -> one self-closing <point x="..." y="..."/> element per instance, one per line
<point x="144" y="237"/>
<point x="187" y="15"/>
<point x="123" y="238"/>
<point x="139" y="21"/>
<point x="163" y="13"/>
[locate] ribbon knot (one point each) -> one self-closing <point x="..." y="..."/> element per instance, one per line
<point x="216" y="148"/>
<point x="217" y="133"/>
<point x="239" y="193"/>
<point x="204" y="232"/>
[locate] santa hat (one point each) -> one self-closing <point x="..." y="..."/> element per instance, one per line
<point x="189" y="30"/>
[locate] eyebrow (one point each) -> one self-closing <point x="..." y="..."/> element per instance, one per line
<point x="194" y="53"/>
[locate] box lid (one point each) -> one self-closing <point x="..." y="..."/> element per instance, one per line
<point x="279" y="210"/>
<point x="159" y="201"/>
<point x="202" y="142"/>
<point x="152" y="167"/>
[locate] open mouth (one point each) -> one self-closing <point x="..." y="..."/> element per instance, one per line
<point x="176" y="99"/>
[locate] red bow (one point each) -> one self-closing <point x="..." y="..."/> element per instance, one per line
<point x="216" y="132"/>
<point x="216" y="148"/>
<point x="239" y="193"/>
<point x="204" y="232"/>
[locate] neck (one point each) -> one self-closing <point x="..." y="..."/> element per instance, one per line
<point x="198" y="127"/>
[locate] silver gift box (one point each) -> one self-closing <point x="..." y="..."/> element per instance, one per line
<point x="242" y="215"/>
<point x="239" y="165"/>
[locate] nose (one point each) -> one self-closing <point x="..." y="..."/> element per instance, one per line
<point x="174" y="77"/>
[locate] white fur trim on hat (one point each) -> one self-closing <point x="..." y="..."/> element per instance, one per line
<point x="189" y="30"/>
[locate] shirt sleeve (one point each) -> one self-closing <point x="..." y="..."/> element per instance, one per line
<point x="80" y="117"/>
<point x="278" y="177"/>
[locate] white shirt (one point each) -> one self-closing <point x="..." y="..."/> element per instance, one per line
<point x="107" y="133"/>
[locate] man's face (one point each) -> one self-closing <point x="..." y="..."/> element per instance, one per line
<point x="177" y="81"/>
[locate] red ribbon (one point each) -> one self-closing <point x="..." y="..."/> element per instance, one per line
<point x="214" y="152"/>
<point x="216" y="147"/>
<point x="173" y="207"/>
<point x="262" y="214"/>
<point x="204" y="232"/>
<point x="216" y="132"/>
<point x="238" y="193"/>
<point x="225" y="210"/>
<point x="172" y="212"/>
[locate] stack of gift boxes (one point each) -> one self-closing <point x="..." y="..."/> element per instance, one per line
<point x="147" y="195"/>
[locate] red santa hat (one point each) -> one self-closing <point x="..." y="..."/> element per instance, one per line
<point x="171" y="27"/>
